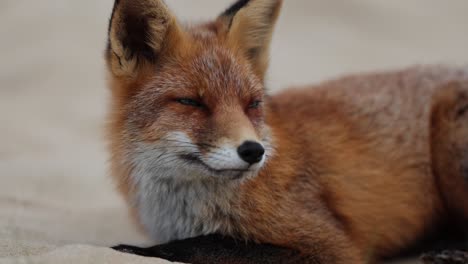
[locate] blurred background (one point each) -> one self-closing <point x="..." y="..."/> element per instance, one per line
<point x="54" y="188"/>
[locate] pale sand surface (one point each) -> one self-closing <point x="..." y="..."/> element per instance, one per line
<point x="54" y="191"/>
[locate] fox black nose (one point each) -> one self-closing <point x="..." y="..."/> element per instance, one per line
<point x="251" y="152"/>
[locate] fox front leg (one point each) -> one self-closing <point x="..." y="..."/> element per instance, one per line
<point x="218" y="249"/>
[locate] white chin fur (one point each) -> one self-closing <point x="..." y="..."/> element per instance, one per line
<point x="175" y="197"/>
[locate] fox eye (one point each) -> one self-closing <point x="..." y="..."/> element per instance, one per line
<point x="255" y="104"/>
<point x="190" y="102"/>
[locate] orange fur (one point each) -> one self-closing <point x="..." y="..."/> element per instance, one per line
<point x="350" y="179"/>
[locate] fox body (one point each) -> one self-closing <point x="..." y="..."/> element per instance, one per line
<point x="343" y="171"/>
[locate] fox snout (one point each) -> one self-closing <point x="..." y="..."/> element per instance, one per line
<point x="179" y="155"/>
<point x="229" y="158"/>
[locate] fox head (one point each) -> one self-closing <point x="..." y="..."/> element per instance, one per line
<point x="188" y="101"/>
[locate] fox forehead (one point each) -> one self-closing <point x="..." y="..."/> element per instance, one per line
<point x="207" y="72"/>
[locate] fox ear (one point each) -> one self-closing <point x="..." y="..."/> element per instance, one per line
<point x="249" y="25"/>
<point x="139" y="32"/>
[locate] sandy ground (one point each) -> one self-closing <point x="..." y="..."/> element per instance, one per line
<point x="54" y="189"/>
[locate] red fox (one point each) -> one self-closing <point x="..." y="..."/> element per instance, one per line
<point x="348" y="171"/>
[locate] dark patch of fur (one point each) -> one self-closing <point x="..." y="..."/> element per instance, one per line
<point x="462" y="111"/>
<point x="219" y="249"/>
<point x="111" y="19"/>
<point x="446" y="257"/>
<point x="134" y="33"/>
<point x="253" y="53"/>
<point x="116" y="3"/>
<point x="231" y="11"/>
<point x="448" y="237"/>
<point x="135" y="37"/>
